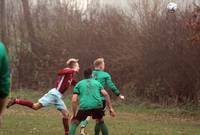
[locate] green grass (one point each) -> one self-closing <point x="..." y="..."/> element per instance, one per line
<point x="131" y="120"/>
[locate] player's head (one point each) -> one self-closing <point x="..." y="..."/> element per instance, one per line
<point x="99" y="64"/>
<point x="73" y="63"/>
<point x="88" y="73"/>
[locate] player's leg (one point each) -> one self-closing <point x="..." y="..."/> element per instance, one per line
<point x="2" y="104"/>
<point x="101" y="126"/>
<point x="83" y="125"/>
<point x="98" y="114"/>
<point x="27" y="103"/>
<point x="99" y="122"/>
<point x="81" y="115"/>
<point x="73" y="126"/>
<point x="60" y="105"/>
<point x="37" y="106"/>
<point x="65" y="121"/>
<point x="44" y="101"/>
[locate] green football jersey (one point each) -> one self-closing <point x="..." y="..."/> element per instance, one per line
<point x="105" y="79"/>
<point x="4" y="72"/>
<point x="89" y="92"/>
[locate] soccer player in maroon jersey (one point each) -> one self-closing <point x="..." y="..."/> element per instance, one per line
<point x="65" y="78"/>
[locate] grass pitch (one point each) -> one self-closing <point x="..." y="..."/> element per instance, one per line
<point x="131" y="120"/>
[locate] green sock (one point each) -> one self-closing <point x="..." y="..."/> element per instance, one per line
<point x="104" y="129"/>
<point x="84" y="123"/>
<point x="101" y="127"/>
<point x="72" y="129"/>
<point x="97" y="128"/>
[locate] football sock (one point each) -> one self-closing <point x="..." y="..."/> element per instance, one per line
<point x="72" y="130"/>
<point x="66" y="126"/>
<point x="97" y="129"/>
<point x="24" y="103"/>
<point x="101" y="127"/>
<point x="84" y="123"/>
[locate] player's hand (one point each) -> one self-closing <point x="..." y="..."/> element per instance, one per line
<point x="112" y="112"/>
<point x="121" y="97"/>
<point x="72" y="117"/>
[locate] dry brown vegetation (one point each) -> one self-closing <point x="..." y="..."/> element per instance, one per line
<point x="152" y="54"/>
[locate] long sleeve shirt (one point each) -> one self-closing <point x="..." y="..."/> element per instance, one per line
<point x="105" y="79"/>
<point x="4" y="72"/>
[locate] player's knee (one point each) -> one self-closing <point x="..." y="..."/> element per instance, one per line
<point x="75" y="121"/>
<point x="88" y="118"/>
<point x="36" y="107"/>
<point x="65" y="114"/>
<point x="99" y="121"/>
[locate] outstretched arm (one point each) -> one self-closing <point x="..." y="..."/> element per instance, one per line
<point x="66" y="71"/>
<point x="113" y="87"/>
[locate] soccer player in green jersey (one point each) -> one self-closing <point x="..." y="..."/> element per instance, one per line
<point x="105" y="79"/>
<point x="90" y="92"/>
<point x="4" y="76"/>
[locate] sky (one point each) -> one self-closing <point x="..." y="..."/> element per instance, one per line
<point x="124" y="3"/>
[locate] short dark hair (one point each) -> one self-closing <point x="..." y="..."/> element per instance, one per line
<point x="88" y="72"/>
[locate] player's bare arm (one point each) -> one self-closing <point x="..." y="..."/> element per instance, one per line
<point x="74" y="104"/>
<point x="108" y="101"/>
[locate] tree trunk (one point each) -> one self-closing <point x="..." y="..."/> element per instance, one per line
<point x="3" y="21"/>
<point x="30" y="29"/>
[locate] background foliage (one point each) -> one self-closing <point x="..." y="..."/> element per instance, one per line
<point x="152" y="54"/>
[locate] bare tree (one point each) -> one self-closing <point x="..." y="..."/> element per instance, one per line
<point x="153" y="47"/>
<point x="30" y="29"/>
<point x="3" y="20"/>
